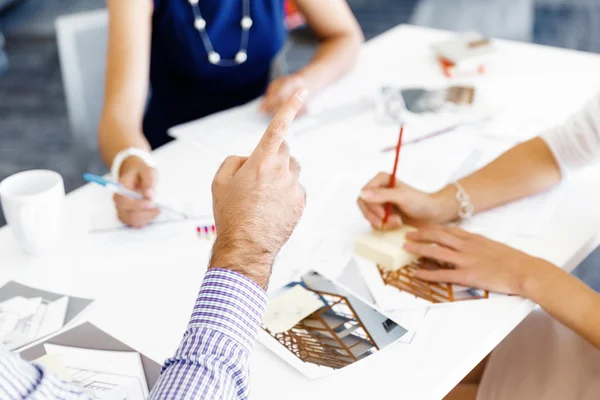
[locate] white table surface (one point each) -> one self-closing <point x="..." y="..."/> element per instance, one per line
<point x="145" y="288"/>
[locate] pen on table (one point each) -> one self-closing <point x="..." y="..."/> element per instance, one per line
<point x="388" y="206"/>
<point x="117" y="188"/>
<point x="428" y="136"/>
<point x="439" y="132"/>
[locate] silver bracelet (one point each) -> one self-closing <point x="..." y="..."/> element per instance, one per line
<point x="465" y="207"/>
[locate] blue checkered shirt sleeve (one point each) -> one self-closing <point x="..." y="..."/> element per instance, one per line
<point x="210" y="363"/>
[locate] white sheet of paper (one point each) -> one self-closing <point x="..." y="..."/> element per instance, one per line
<point x="54" y="363"/>
<point x="20" y="306"/>
<point x="104" y="374"/>
<point x="8" y="323"/>
<point x="288" y="308"/>
<point x="238" y="130"/>
<point x="234" y="131"/>
<point x="49" y="317"/>
<point x="54" y="316"/>
<point x="197" y="208"/>
<point x="526" y="217"/>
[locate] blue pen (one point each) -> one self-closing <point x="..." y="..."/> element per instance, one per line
<point x="116" y="187"/>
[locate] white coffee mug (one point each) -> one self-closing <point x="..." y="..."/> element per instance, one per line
<point x="33" y="205"/>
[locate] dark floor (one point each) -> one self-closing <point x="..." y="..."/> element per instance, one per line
<point x="34" y="130"/>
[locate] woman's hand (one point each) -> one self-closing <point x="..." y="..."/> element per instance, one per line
<point x="279" y="91"/>
<point x="479" y="262"/>
<point x="138" y="176"/>
<point x="410" y="206"/>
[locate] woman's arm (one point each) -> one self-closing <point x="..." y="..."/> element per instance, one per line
<point x="526" y="169"/>
<point x="482" y="263"/>
<point x="340" y="38"/>
<point x="529" y="168"/>
<point x="523" y="170"/>
<point x="127" y="74"/>
<point x="533" y="166"/>
<point x="565" y="298"/>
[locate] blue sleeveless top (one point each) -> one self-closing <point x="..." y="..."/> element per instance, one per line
<point x="184" y="85"/>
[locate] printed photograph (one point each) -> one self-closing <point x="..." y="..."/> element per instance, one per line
<point x="324" y="327"/>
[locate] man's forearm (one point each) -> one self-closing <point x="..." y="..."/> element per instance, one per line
<point x="565" y="298"/>
<point x="524" y="170"/>
<point x="212" y="359"/>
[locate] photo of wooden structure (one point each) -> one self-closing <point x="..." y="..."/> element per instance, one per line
<point x="333" y="336"/>
<point x="405" y="280"/>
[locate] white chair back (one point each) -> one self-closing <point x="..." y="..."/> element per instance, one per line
<point x="82" y="45"/>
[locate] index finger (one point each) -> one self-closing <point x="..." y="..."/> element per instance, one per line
<point x="275" y="133"/>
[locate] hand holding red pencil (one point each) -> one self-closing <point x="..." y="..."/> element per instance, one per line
<point x="407" y="204"/>
<point x="387" y="204"/>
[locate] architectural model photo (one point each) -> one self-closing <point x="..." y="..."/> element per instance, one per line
<point x="321" y="323"/>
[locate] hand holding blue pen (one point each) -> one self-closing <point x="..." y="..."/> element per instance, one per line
<point x="118" y="188"/>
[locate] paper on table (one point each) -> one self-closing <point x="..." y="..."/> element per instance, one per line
<point x="526" y="217"/>
<point x="104" y="218"/>
<point x="53" y="316"/>
<point x="427" y="166"/>
<point x="75" y="307"/>
<point x="20" y="306"/>
<point x="13" y="310"/>
<point x="54" y="364"/>
<point x="49" y="316"/>
<point x="238" y="130"/>
<point x="234" y="131"/>
<point x="332" y="114"/>
<point x="289" y="307"/>
<point x="104" y="374"/>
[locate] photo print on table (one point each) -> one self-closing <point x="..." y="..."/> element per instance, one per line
<point x="318" y="326"/>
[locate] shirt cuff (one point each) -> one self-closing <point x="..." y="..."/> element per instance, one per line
<point x="230" y="303"/>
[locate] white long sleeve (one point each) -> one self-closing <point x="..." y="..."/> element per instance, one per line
<point x="576" y="144"/>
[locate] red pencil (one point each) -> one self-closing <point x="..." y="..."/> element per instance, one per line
<point x="388" y="206"/>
